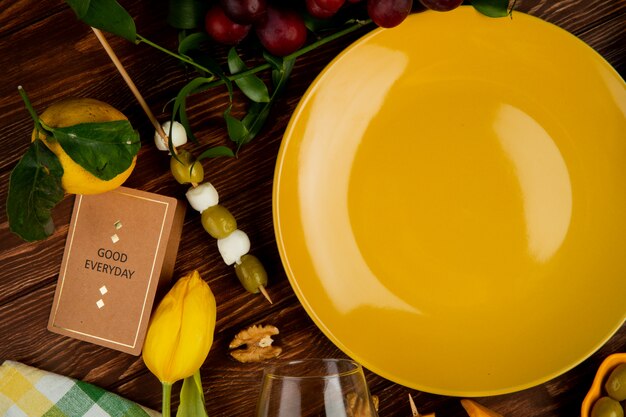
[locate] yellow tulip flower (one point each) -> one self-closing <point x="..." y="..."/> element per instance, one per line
<point x="180" y="332"/>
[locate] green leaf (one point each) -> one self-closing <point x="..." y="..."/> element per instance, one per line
<point x="188" y="48"/>
<point x="215" y="70"/>
<point x="179" y="109"/>
<point x="187" y="14"/>
<point x="252" y="86"/>
<point x="106" y="15"/>
<point x="237" y="131"/>
<point x="192" y="42"/>
<point x="215" y="152"/>
<point x="247" y="129"/>
<point x="34" y="189"/>
<point x="492" y="8"/>
<point x="257" y="116"/>
<point x="275" y="61"/>
<point x="233" y="125"/>
<point x="192" y="398"/>
<point x="80" y="7"/>
<point x="104" y="149"/>
<point x="280" y="79"/>
<point x="255" y="119"/>
<point x="243" y="131"/>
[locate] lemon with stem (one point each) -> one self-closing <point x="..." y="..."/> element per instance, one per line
<point x="70" y="112"/>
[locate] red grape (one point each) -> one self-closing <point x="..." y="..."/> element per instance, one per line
<point x="222" y="29"/>
<point x="281" y="32"/>
<point x="441" y="5"/>
<point x="244" y="11"/>
<point x="316" y="11"/>
<point x="330" y="5"/>
<point x="388" y="13"/>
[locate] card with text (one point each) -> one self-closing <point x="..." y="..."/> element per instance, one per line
<point x="121" y="246"/>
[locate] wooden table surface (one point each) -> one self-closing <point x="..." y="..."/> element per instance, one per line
<point x="44" y="48"/>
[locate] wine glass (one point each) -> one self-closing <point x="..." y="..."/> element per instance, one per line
<point x="315" y="387"/>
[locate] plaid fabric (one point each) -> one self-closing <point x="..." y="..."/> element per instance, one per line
<point x="30" y="392"/>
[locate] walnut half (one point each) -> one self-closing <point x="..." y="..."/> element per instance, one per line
<point x="358" y="407"/>
<point x="258" y="344"/>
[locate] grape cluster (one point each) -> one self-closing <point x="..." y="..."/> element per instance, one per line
<point x="282" y="30"/>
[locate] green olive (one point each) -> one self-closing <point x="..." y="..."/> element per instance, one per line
<point x="616" y="384"/>
<point x="218" y="222"/>
<point x="186" y="169"/>
<point x="607" y="407"/>
<point x="251" y="273"/>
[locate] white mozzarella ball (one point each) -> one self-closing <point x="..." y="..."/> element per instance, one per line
<point x="178" y="138"/>
<point x="203" y="196"/>
<point x="233" y="246"/>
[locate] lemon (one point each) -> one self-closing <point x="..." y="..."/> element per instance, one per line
<point x="69" y="112"/>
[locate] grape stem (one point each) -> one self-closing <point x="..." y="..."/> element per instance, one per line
<point x="182" y="58"/>
<point x="322" y="41"/>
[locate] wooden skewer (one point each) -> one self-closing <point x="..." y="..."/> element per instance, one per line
<point x="413" y="407"/>
<point x="131" y="85"/>
<point x="265" y="294"/>
<point x="414" y="411"/>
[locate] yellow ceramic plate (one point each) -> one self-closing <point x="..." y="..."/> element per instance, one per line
<point x="450" y="202"/>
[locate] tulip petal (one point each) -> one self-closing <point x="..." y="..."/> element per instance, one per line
<point x="180" y="333"/>
<point x="196" y="331"/>
<point x="163" y="333"/>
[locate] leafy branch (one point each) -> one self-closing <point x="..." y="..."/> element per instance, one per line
<point x="187" y="15"/>
<point x="110" y="16"/>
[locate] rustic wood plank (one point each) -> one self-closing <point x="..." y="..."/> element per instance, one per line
<point x="28" y="266"/>
<point x="574" y="16"/>
<point x="15" y="16"/>
<point x="25" y="338"/>
<point x="67" y="61"/>
<point x="599" y="23"/>
<point x="609" y="40"/>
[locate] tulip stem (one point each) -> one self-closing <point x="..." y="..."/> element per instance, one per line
<point x="167" y="395"/>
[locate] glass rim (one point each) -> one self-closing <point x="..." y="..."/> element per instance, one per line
<point x="273" y="372"/>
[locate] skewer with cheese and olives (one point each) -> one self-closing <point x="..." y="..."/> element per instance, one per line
<point x="187" y="170"/>
<point x="232" y="243"/>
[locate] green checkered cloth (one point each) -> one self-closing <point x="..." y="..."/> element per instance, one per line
<point x="30" y="392"/>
